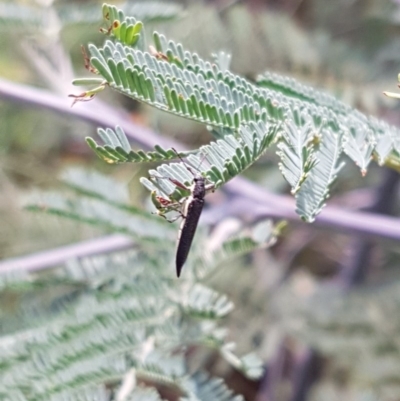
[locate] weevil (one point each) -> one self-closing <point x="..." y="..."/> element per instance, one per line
<point x="190" y="211"/>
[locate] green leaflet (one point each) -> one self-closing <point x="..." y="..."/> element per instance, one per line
<point x="127" y="302"/>
<point x="220" y="161"/>
<point x="175" y="80"/>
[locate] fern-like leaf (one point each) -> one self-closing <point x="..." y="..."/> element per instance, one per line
<point x="359" y="147"/>
<point x="296" y="151"/>
<point x="143" y="394"/>
<point x="17" y="16"/>
<point x="129" y="315"/>
<point x="202" y="388"/>
<point x="226" y="158"/>
<point x="245" y="119"/>
<point x="116" y="149"/>
<point x="315" y="190"/>
<point x="206" y="303"/>
<point x="102" y="203"/>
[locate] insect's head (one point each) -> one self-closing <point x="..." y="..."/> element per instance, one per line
<point x="198" y="178"/>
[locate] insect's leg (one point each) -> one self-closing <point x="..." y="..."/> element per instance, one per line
<point x="175" y="218"/>
<point x="163" y="212"/>
<point x="210" y="188"/>
<point x="164" y="206"/>
<point x="175" y="182"/>
<point x="179" y="184"/>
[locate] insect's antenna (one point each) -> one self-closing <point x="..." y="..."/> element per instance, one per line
<point x="186" y="164"/>
<point x="201" y="161"/>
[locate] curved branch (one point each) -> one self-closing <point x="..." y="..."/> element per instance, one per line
<point x="263" y="203"/>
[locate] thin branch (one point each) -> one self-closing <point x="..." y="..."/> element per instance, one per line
<point x="94" y="112"/>
<point x="354" y="272"/>
<point x="48" y="55"/>
<point x="263" y="203"/>
<point x="267" y="204"/>
<point x="58" y="256"/>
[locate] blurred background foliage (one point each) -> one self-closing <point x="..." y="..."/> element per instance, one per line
<point x="297" y="304"/>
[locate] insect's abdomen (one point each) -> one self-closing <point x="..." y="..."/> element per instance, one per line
<point x="187" y="232"/>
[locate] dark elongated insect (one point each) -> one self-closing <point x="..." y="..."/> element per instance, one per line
<point x="190" y="212"/>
